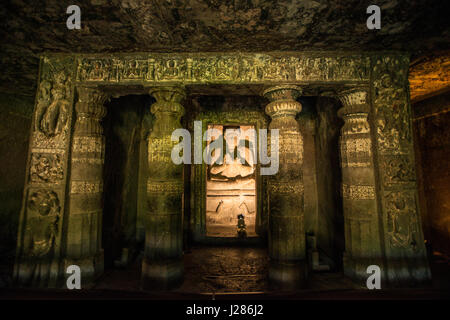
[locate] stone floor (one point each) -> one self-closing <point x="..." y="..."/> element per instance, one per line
<point x="221" y="270"/>
<point x="234" y="273"/>
<point x="228" y="231"/>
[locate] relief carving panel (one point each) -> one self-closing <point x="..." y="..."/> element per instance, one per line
<point x="46" y="168"/>
<point x="398" y="169"/>
<point x="222" y="68"/>
<point x="401" y="219"/>
<point x="392" y="109"/>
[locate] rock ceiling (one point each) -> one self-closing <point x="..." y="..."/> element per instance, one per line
<point x="32" y="27"/>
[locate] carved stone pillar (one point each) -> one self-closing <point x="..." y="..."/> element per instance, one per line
<point x="84" y="236"/>
<point x="406" y="260"/>
<point x="162" y="267"/>
<point x="286" y="192"/>
<point x="363" y="243"/>
<point x="40" y="232"/>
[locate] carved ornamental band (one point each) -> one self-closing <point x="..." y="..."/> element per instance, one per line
<point x="237" y="68"/>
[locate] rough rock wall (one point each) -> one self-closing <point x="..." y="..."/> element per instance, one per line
<point x="432" y="145"/>
<point x="14" y="137"/>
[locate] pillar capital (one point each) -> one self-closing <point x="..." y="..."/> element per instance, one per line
<point x="91" y="95"/>
<point x="168" y="99"/>
<point x="90" y="110"/>
<point x="283" y="101"/>
<point x="282" y="92"/>
<point x="353" y="101"/>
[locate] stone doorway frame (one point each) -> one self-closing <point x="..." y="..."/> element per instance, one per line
<point x="66" y="154"/>
<point x="198" y="172"/>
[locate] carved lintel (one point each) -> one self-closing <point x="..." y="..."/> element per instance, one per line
<point x="222" y="68"/>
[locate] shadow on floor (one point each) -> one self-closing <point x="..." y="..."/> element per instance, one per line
<point x="237" y="273"/>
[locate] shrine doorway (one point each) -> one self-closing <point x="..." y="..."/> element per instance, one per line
<point x="231" y="183"/>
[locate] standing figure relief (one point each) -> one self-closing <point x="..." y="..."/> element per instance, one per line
<point x="53" y="106"/>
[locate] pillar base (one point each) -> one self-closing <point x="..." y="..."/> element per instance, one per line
<point x="37" y="273"/>
<point x="91" y="269"/>
<point x="398" y="273"/>
<point x="356" y="268"/>
<point x="287" y="276"/>
<point x="162" y="275"/>
<point x="408" y="273"/>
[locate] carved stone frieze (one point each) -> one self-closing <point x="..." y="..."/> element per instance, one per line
<point x="238" y="68"/>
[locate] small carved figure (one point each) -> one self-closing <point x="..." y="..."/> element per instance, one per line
<point x="55" y="117"/>
<point x="172" y="70"/>
<point x="241" y="227"/>
<point x="46" y="168"/>
<point x="401" y="220"/>
<point x="43" y="102"/>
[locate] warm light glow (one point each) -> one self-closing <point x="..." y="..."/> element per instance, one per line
<point x="230" y="189"/>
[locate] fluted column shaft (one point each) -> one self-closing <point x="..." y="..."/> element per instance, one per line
<point x="84" y="234"/>
<point x="361" y="221"/>
<point x="162" y="266"/>
<point x="286" y="192"/>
